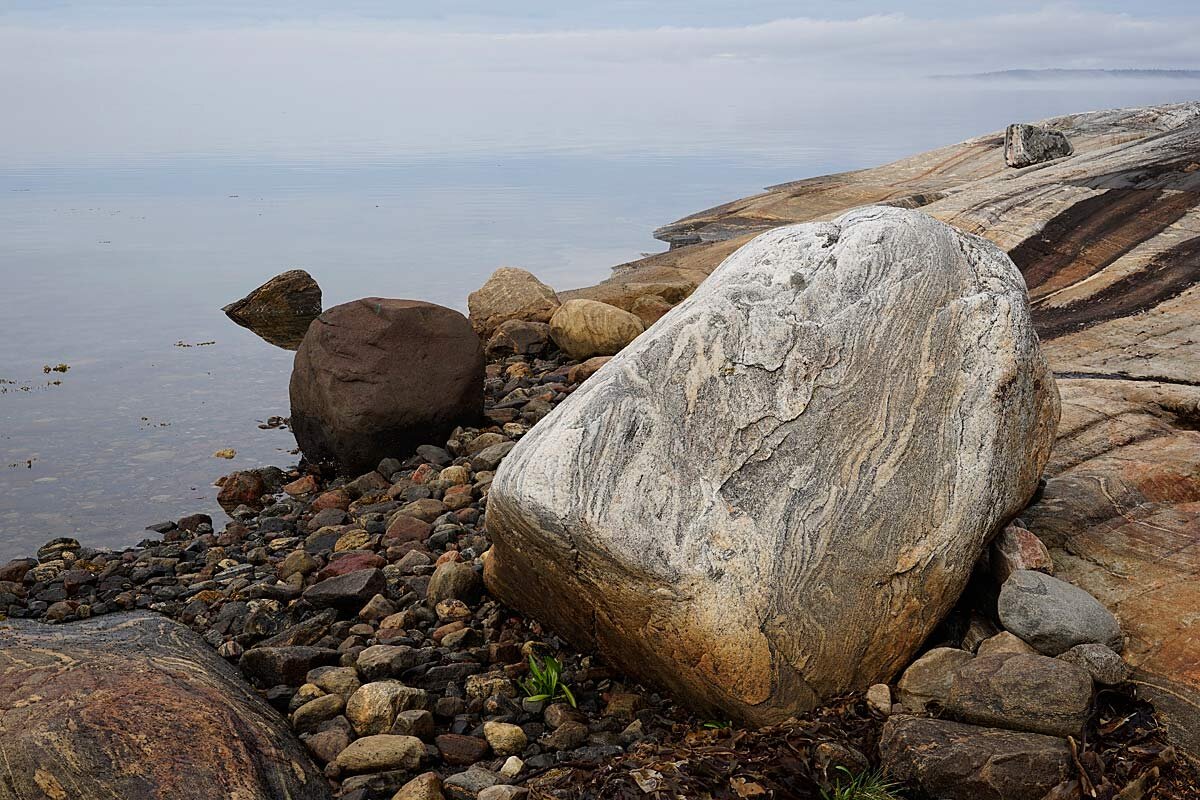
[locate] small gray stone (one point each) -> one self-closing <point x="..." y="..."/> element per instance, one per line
<point x="414" y="722"/>
<point x="382" y="661"/>
<point x="1054" y="616"/>
<point x="1106" y="667"/>
<point x="468" y="784"/>
<point x="567" y="736"/>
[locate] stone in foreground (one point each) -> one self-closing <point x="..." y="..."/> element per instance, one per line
<point x="378" y="377"/>
<point x="954" y="761"/>
<point x="135" y="705"/>
<point x="776" y="494"/>
<point x="1025" y="145"/>
<point x="280" y="310"/>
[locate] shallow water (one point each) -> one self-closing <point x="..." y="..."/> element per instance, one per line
<point x="117" y="265"/>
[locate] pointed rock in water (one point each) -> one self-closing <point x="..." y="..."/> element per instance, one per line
<point x="135" y="705"/>
<point x="776" y="494"/>
<point x="280" y="310"/>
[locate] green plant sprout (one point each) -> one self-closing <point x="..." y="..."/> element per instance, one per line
<point x="545" y="681"/>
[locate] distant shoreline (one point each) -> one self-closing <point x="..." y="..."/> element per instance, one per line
<point x="1026" y="74"/>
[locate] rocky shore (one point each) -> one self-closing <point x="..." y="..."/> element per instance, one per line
<point x="1029" y="642"/>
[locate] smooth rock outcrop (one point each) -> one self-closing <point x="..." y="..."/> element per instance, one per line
<point x="378" y="377"/>
<point x="841" y="407"/>
<point x="135" y="705"/>
<point x="955" y="761"/>
<point x="586" y="328"/>
<point x="510" y="293"/>
<point x="280" y="310"/>
<point x="1025" y="145"/>
<point x="1054" y="616"/>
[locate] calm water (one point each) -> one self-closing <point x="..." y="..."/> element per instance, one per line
<point x="109" y="262"/>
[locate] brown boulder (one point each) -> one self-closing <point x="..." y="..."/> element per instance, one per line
<point x="375" y="378"/>
<point x="135" y="705"/>
<point x="280" y="310"/>
<point x="1022" y="692"/>
<point x="510" y="293"/>
<point x="954" y="761"/>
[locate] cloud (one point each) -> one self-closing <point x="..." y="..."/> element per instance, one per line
<point x="415" y="85"/>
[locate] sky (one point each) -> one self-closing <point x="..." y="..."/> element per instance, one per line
<point x="113" y="76"/>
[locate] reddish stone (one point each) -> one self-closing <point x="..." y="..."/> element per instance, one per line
<point x="458" y="497"/>
<point x="407" y="529"/>
<point x="351" y="562"/>
<point x="424" y="474"/>
<point x="448" y="557"/>
<point x="305" y="484"/>
<point x="334" y="498"/>
<point x="241" y="488"/>
<point x="461" y="751"/>
<point x="1016" y="548"/>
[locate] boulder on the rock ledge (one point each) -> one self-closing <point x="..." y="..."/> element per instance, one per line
<point x="586" y="328"/>
<point x="510" y="293"/>
<point x="1030" y="144"/>
<point x="377" y="377"/>
<point x="776" y="494"/>
<point x="135" y="705"/>
<point x="280" y="310"/>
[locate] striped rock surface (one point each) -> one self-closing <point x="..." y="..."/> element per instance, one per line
<point x="1108" y="241"/>
<point x="137" y="706"/>
<point x="776" y="493"/>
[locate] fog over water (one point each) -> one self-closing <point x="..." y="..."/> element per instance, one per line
<point x="158" y="166"/>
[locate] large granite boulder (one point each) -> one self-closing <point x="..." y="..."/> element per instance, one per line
<point x="375" y="377"/>
<point x="776" y="494"/>
<point x="510" y="293"/>
<point x="135" y="705"/>
<point x="280" y="310"/>
<point x="1025" y="145"/>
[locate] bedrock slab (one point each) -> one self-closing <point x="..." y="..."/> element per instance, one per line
<point x="135" y="705"/>
<point x="773" y="495"/>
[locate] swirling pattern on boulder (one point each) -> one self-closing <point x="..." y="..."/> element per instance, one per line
<point x="774" y="495"/>
<point x="135" y="705"/>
